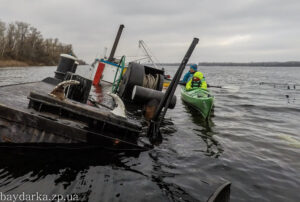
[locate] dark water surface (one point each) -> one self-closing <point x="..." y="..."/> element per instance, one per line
<point x="251" y="140"/>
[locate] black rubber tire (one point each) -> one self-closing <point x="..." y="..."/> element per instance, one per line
<point x="133" y="76"/>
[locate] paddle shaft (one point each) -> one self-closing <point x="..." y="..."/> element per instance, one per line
<point x="208" y="86"/>
<point x="211" y="86"/>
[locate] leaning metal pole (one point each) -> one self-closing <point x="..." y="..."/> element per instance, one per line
<point x="113" y="50"/>
<point x="153" y="130"/>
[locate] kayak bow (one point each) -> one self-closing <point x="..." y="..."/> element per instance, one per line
<point x="199" y="99"/>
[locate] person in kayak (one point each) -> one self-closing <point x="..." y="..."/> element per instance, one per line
<point x="198" y="81"/>
<point x="190" y="73"/>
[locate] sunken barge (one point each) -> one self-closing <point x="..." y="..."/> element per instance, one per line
<point x="59" y="112"/>
<point x="30" y="116"/>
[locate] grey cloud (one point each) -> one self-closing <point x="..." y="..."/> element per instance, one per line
<point x="231" y="30"/>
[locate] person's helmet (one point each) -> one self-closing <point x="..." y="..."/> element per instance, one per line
<point x="194" y="67"/>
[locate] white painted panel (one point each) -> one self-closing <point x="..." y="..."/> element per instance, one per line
<point x="109" y="72"/>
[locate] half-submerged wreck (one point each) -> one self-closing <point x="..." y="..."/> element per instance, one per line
<point x="59" y="112"/>
<point x="37" y="114"/>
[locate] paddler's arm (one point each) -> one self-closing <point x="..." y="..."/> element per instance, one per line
<point x="186" y="77"/>
<point x="203" y="84"/>
<point x="188" y="86"/>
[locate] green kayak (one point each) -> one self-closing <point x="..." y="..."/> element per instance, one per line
<point x="199" y="99"/>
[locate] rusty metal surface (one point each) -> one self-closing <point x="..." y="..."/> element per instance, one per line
<point x="85" y="111"/>
<point x="43" y="122"/>
<point x="20" y="124"/>
<point x="13" y="132"/>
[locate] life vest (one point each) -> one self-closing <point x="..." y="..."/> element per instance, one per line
<point x="199" y="82"/>
<point x="196" y="84"/>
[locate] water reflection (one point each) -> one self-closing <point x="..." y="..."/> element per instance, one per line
<point x="163" y="174"/>
<point x="96" y="92"/>
<point x="36" y="169"/>
<point x="43" y="162"/>
<point x="213" y="147"/>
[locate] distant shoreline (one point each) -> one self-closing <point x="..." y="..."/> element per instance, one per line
<point x="17" y="63"/>
<point x="252" y="64"/>
<point x="248" y="64"/>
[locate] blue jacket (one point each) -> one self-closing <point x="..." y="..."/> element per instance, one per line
<point x="187" y="77"/>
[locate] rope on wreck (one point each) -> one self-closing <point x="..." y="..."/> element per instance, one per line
<point x="150" y="81"/>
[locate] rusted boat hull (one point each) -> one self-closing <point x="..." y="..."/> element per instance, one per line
<point x="28" y="129"/>
<point x="73" y="124"/>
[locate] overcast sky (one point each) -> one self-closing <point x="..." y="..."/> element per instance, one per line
<point x="229" y="30"/>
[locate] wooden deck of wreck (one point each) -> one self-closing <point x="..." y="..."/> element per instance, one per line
<point x="21" y="124"/>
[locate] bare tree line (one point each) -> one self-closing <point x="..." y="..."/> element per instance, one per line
<point x="20" y="41"/>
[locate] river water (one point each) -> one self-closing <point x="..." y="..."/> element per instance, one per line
<point x="251" y="140"/>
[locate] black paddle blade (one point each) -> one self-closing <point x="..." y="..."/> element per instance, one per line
<point x="222" y="194"/>
<point x="154" y="133"/>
